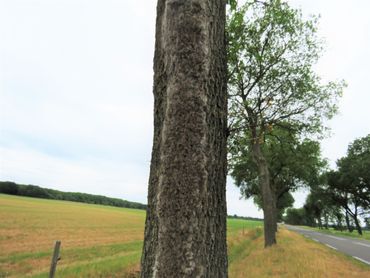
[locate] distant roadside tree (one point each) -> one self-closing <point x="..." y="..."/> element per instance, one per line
<point x="344" y="194"/>
<point x="354" y="169"/>
<point x="271" y="84"/>
<point x="293" y="163"/>
<point x="349" y="186"/>
<point x="296" y="216"/>
<point x="185" y="228"/>
<point x="322" y="208"/>
<point x="367" y="222"/>
<point x="314" y="207"/>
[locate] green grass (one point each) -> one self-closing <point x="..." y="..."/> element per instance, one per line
<point x="107" y="266"/>
<point x="293" y="256"/>
<point x="241" y="246"/>
<point x="236" y="225"/>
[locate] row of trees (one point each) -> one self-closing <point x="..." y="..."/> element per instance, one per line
<point x="264" y="66"/>
<point x="12" y="188"/>
<point x="276" y="105"/>
<point x="343" y="196"/>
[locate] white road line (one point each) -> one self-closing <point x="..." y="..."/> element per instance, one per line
<point x="363" y="244"/>
<point x="362" y="260"/>
<point x="315" y="240"/>
<point x="332" y="247"/>
<point x="338" y="238"/>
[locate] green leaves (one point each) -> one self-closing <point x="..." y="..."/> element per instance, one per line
<point x="275" y="97"/>
<point x="271" y="54"/>
<point x="353" y="171"/>
<point x="293" y="162"/>
<point x="233" y="4"/>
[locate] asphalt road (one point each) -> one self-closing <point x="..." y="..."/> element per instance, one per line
<point x="357" y="248"/>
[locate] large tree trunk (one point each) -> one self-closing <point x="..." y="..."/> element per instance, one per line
<point x="268" y="202"/>
<point x="185" y="229"/>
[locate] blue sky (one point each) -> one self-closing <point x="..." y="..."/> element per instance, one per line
<point x="76" y="91"/>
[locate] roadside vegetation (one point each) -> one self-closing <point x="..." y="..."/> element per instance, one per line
<point x="104" y="241"/>
<point x="341" y="199"/>
<point x="294" y="256"/>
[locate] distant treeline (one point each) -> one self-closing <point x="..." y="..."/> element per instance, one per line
<point x="244" y="217"/>
<point x="46" y="193"/>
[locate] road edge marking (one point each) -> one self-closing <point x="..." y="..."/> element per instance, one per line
<point x="362" y="244"/>
<point x="337" y="238"/>
<point x="361" y="260"/>
<point x="332" y="247"/>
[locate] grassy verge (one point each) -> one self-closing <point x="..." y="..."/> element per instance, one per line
<point x="294" y="256"/>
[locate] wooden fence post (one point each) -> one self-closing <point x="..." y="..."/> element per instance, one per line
<point x="55" y="259"/>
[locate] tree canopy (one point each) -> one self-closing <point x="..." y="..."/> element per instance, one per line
<point x="293" y="163"/>
<point x="271" y="52"/>
<point x="344" y="193"/>
<point x="273" y="93"/>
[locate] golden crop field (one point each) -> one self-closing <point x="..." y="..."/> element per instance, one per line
<point x="103" y="241"/>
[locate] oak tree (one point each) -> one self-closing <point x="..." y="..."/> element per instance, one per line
<point x="272" y="84"/>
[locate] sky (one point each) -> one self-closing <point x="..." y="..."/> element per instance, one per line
<point x="76" y="97"/>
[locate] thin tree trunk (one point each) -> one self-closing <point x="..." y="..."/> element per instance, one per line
<point x="268" y="203"/>
<point x="320" y="222"/>
<point x="339" y="221"/>
<point x="349" y="227"/>
<point x="326" y="221"/>
<point x="358" y="226"/>
<point x="357" y="223"/>
<point x="185" y="229"/>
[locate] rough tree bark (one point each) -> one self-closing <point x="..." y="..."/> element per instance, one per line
<point x="275" y="200"/>
<point x="268" y="202"/>
<point x="185" y="229"/>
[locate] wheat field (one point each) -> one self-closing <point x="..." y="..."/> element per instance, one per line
<point x="103" y="241"/>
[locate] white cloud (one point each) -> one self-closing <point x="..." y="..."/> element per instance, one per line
<point x="76" y="91"/>
<point x="123" y="180"/>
